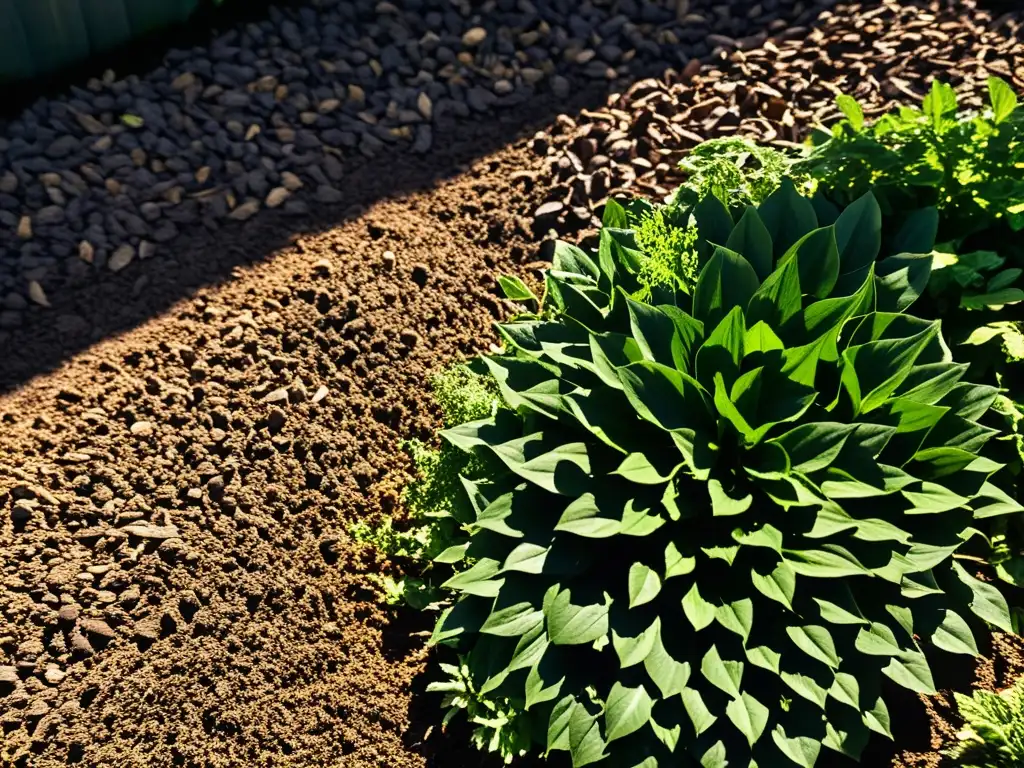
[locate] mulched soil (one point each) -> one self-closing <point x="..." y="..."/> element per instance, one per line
<point x="178" y="584"/>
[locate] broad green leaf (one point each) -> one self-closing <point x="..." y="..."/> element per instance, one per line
<point x="513" y="620"/>
<point x="749" y="715"/>
<point x="816" y="642"/>
<point x="666" y="672"/>
<point x="764" y="657"/>
<point x="940" y="104"/>
<point x="583" y="518"/>
<point x="831" y="561"/>
<point x="698" y="711"/>
<point x="516" y="289"/>
<point x="536" y="690"/>
<point x="634" y="650"/>
<point x="664" y="396"/>
<point x="477" y="580"/>
<point x="644" y="584"/>
<point x="627" y="710"/>
<point x="787" y="216"/>
<point x="1003" y="99"/>
<point x="988" y="602"/>
<point x="526" y="558"/>
<point x="954" y="635"/>
<point x="677" y="564"/>
<point x="585" y="743"/>
<point x="873" y="371"/>
<point x="851" y="110"/>
<point x="724" y="675"/>
<point x="570" y="259"/>
<point x="805" y="687"/>
<point x="779" y="585"/>
<point x="814" y="446"/>
<point x="698" y="610"/>
<point x="877" y="718"/>
<point x="726" y="281"/>
<point x="570" y="624"/>
<point x="714" y="222"/>
<point x="846" y="689"/>
<point x="549" y="469"/>
<point x="901" y="279"/>
<point x="614" y="215"/>
<point x="859" y="240"/>
<point x="817" y="257"/>
<point x="910" y="669"/>
<point x="558" y="724"/>
<point x="715" y="757"/>
<point x="737" y="616"/>
<point x="750" y="237"/>
<point x="779" y="298"/>
<point x="724" y="505"/>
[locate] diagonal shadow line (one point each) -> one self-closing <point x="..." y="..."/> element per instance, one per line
<point x="83" y="315"/>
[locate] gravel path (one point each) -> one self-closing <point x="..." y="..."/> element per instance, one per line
<point x="275" y="115"/>
<point x="178" y="587"/>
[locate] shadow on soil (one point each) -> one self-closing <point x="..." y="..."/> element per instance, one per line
<point x="113" y="303"/>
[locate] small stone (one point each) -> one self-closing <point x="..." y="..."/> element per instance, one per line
<point x="320" y="394"/>
<point x="21" y="513"/>
<point x="549" y="209"/>
<point x="473" y="37"/>
<point x="86" y="252"/>
<point x="68" y="614"/>
<point x="142" y="428"/>
<point x="183" y="81"/>
<point x="425" y="106"/>
<point x="8" y="677"/>
<point x="54" y="675"/>
<point x="409" y="338"/>
<point x="356" y="94"/>
<point x="25" y="228"/>
<point x="252" y="132"/>
<point x="121" y="258"/>
<point x="277" y="396"/>
<point x="203" y="174"/>
<point x="276" y="419"/>
<point x="325" y="193"/>
<point x="8" y="183"/>
<point x="90" y="124"/>
<point x="147" y="250"/>
<point x="146" y="531"/>
<point x="245" y="211"/>
<point x="97" y="628"/>
<point x="277" y="196"/>
<point x="81" y="645"/>
<point x="328" y="105"/>
<point x="388" y="259"/>
<point x="291" y="182"/>
<point x="37" y="294"/>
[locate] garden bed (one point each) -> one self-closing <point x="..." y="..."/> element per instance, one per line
<point x="180" y="582"/>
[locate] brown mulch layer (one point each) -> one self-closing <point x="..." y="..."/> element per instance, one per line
<point x="883" y="53"/>
<point x="178" y="584"/>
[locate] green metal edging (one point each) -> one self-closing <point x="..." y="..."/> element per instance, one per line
<point x="42" y="36"/>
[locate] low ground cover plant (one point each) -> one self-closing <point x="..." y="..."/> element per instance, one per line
<point x="734" y="472"/>
<point x="993" y="733"/>
<point x="715" y="520"/>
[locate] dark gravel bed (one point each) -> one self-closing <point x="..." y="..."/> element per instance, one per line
<point x="277" y="114"/>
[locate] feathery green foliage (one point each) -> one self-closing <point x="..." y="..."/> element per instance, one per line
<point x="737" y="171"/>
<point x="711" y="523"/>
<point x="993" y="734"/>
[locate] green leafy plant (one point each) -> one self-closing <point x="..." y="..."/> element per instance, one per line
<point x="712" y="523"/>
<point x="993" y="734"/>
<point x="969" y="165"/>
<point x="497" y="727"/>
<point x="431" y="499"/>
<point x="737" y="171"/>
